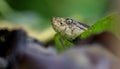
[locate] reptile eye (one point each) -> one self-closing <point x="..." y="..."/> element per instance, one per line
<point x="69" y="21"/>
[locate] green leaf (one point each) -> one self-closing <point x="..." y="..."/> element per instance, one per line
<point x="102" y="25"/>
<point x="62" y="43"/>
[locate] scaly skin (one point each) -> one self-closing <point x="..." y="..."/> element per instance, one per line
<point x="68" y="28"/>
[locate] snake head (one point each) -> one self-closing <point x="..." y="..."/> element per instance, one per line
<point x="67" y="27"/>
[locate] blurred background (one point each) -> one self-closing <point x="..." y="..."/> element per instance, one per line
<point x="35" y="15"/>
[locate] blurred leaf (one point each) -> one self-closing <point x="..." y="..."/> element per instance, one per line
<point x="5" y="8"/>
<point x="62" y="43"/>
<point x="88" y="9"/>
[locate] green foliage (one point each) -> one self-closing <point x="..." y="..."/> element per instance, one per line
<point x="92" y="9"/>
<point x="104" y="24"/>
<point x="62" y="43"/>
<point x="19" y="11"/>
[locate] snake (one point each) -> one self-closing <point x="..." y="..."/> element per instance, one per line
<point x="68" y="28"/>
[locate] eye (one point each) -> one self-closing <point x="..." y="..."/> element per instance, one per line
<point x="69" y="21"/>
